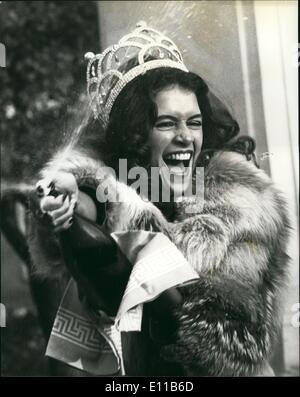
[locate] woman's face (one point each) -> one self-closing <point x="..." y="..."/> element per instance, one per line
<point x="176" y="138"/>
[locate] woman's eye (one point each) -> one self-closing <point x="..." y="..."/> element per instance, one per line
<point x="195" y="124"/>
<point x="165" y="125"/>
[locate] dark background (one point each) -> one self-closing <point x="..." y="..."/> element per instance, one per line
<point x="41" y="89"/>
<point x="44" y="76"/>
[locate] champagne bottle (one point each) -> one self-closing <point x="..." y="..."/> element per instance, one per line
<point x="97" y="264"/>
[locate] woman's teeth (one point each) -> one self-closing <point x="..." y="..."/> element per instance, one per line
<point x="178" y="156"/>
<point x="179" y="163"/>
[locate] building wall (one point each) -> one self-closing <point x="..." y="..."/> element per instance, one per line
<point x="276" y="26"/>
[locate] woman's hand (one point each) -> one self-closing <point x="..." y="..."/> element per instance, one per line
<point x="59" y="209"/>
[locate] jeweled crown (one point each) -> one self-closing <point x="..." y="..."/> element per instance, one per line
<point x="109" y="72"/>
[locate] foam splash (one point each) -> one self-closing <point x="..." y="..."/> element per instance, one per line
<point x="72" y="136"/>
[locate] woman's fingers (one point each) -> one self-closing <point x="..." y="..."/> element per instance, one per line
<point x="65" y="216"/>
<point x="50" y="203"/>
<point x="64" y="226"/>
<point x="60" y="181"/>
<point x="57" y="213"/>
<point x="60" y="211"/>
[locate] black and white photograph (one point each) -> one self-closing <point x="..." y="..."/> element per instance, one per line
<point x="149" y="208"/>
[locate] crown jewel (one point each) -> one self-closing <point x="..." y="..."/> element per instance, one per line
<point x="109" y="72"/>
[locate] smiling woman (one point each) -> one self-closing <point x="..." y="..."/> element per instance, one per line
<point x="176" y="138"/>
<point x="153" y="112"/>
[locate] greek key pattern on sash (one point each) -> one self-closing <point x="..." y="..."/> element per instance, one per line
<point x="78" y="330"/>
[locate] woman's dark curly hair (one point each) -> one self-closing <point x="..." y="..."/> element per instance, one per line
<point x="134" y="113"/>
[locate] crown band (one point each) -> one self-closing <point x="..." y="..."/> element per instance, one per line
<point x="139" y="70"/>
